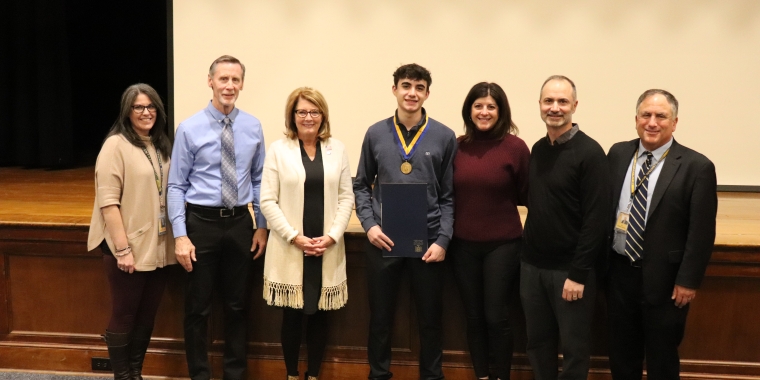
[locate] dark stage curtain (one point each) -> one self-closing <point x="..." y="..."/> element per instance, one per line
<point x="63" y="67"/>
<point x="36" y="103"/>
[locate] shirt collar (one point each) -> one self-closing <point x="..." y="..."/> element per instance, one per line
<point x="657" y="153"/>
<point x="419" y="124"/>
<point x="565" y="137"/>
<point x="218" y="116"/>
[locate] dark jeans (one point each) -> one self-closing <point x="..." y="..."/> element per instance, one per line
<point x="487" y="275"/>
<point x="549" y="318"/>
<point x="384" y="275"/>
<point x="640" y="330"/>
<point x="316" y="339"/>
<point x="135" y="297"/>
<point x="223" y="253"/>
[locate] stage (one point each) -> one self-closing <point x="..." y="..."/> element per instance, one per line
<point x="54" y="300"/>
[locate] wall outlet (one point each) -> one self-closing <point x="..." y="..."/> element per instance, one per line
<point x="101" y="364"/>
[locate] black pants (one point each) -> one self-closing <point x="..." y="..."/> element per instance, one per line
<point x="134" y="297"/>
<point x="487" y="274"/>
<point x="640" y="330"/>
<point x="549" y="319"/>
<point x="223" y="253"/>
<point x="316" y="339"/>
<point x="384" y="275"/>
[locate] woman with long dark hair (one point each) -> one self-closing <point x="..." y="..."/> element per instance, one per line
<point x="129" y="224"/>
<point x="490" y="181"/>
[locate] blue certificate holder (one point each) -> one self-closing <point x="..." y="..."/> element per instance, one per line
<point x="404" y="218"/>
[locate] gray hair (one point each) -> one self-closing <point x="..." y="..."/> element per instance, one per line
<point x="225" y="59"/>
<point x="656" y="91"/>
<point x="559" y="77"/>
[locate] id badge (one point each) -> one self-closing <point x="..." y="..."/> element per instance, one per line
<point x="161" y="225"/>
<point x="622" y="222"/>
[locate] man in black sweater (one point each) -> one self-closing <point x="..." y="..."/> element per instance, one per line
<point x="568" y="206"/>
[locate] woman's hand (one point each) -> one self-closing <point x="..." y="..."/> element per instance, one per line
<point x="321" y="244"/>
<point x="324" y="241"/>
<point x="313" y="247"/>
<point x="126" y="263"/>
<point x="304" y="244"/>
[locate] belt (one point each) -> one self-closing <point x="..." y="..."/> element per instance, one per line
<point x="217" y="212"/>
<point x="634" y="264"/>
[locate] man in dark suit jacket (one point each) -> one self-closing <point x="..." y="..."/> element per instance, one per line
<point x="663" y="239"/>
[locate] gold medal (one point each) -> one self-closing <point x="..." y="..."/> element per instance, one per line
<point x="406" y="167"/>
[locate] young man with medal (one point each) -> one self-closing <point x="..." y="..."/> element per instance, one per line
<point x="565" y="233"/>
<point x="664" y="230"/>
<point x="409" y="147"/>
<point x="217" y="164"/>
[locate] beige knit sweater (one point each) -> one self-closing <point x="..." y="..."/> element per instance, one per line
<point x="123" y="177"/>
<point x="282" y="201"/>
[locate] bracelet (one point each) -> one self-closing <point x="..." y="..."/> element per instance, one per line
<point x="123" y="249"/>
<point x="126" y="251"/>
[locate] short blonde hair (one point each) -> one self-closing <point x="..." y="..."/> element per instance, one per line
<point x="315" y="97"/>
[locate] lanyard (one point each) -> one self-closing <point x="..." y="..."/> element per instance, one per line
<point x="408" y="150"/>
<point x="160" y="181"/>
<point x="635" y="185"/>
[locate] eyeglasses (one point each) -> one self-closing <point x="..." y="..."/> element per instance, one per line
<point x="138" y="109"/>
<point x="314" y="113"/>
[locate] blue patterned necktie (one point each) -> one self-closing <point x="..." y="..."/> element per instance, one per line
<point x="634" y="242"/>
<point x="229" y="173"/>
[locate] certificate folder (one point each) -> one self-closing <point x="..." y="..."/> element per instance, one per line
<point x="403" y="212"/>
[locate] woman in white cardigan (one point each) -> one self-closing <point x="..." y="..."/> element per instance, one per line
<point x="307" y="198"/>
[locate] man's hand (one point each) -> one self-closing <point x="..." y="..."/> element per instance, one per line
<point x="572" y="291"/>
<point x="683" y="295"/>
<point x="259" y="241"/>
<point x="185" y="252"/>
<point x="379" y="239"/>
<point x="434" y="254"/>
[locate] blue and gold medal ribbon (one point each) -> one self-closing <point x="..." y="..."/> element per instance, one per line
<point x="407" y="151"/>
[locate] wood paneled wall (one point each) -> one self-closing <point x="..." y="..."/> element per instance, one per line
<point x="54" y="304"/>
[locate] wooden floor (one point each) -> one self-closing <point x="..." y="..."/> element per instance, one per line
<point x="65" y="197"/>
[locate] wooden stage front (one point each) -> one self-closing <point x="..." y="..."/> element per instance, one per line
<point x="54" y="299"/>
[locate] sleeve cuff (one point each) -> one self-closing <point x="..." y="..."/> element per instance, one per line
<point x="369" y="223"/>
<point x="443" y="241"/>
<point x="179" y="230"/>
<point x="578" y="275"/>
<point x="261" y="222"/>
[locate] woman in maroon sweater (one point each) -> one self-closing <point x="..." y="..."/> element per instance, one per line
<point x="490" y="181"/>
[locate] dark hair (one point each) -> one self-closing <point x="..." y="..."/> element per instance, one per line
<point x="656" y="91"/>
<point x="225" y="59"/>
<point x="159" y="134"/>
<point x="504" y="125"/>
<point x="412" y="71"/>
<point x="559" y="77"/>
<point x="313" y="96"/>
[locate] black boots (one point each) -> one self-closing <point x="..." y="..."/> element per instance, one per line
<point x="140" y="341"/>
<point x="118" y="351"/>
<point x="127" y="352"/>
